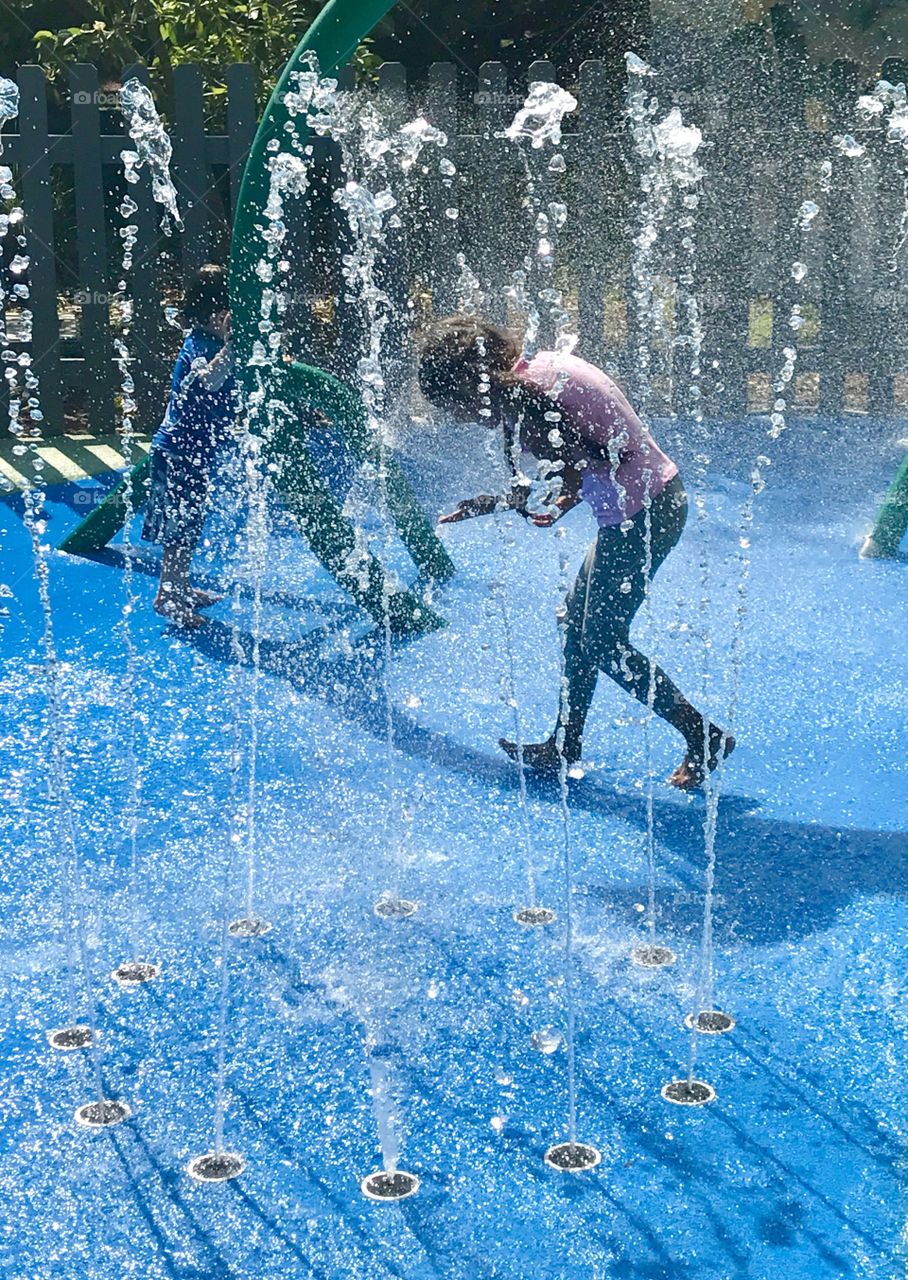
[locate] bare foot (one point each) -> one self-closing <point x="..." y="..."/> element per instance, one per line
<point x="693" y="769"/>
<point x="205" y="599"/>
<point x="179" y="613"/>
<point x="541" y="757"/>
<point x="870" y="550"/>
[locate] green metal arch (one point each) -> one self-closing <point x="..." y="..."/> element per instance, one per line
<point x="333" y="37"/>
<point x="891" y="523"/>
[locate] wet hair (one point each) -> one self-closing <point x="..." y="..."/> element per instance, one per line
<point x="205" y="294"/>
<point x="460" y="351"/>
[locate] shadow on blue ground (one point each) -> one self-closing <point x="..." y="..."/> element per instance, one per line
<point x="807" y="871"/>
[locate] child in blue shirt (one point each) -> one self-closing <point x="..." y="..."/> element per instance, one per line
<point x="199" y="421"/>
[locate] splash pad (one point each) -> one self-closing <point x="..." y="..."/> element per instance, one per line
<point x="450" y="999"/>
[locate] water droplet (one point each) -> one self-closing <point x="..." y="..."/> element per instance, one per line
<point x="546" y="1040"/>
<point x="848" y="146"/>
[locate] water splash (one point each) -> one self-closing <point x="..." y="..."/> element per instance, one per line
<point x="373" y="153"/>
<point x="20" y="367"/>
<point x="540" y="118"/>
<point x="667" y="150"/>
<point x="847" y="145"/>
<point x="888" y="105"/>
<point x="635" y="66"/>
<point x="677" y="144"/>
<point x="153" y="148"/>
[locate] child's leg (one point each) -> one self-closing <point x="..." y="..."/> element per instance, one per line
<point x="599" y="611"/>
<point x="580" y="672"/>
<point x="596" y="636"/>
<point x="176" y="599"/>
<point x="174" y="518"/>
<point x="618" y="576"/>
<point x="596" y="632"/>
<point x="174" y="587"/>
<point x="579" y="669"/>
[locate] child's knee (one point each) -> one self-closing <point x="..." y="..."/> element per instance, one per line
<point x="612" y="658"/>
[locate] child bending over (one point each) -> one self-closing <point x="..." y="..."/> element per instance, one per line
<point x="605" y="457"/>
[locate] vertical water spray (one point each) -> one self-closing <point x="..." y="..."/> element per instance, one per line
<point x="570" y="1156"/>
<point x="372" y="153"/>
<point x="676" y="174"/>
<point x="701" y="1018"/>
<point x="390" y="1182"/>
<point x="640" y="109"/>
<point x="219" y="1164"/>
<point x="250" y="924"/>
<point x="21" y="378"/>
<point x="887" y="105"/>
<point x="538" y="122"/>
<point x="704" y="1018"/>
<point x="368" y="203"/>
<point x="288" y="180"/>
<point x="152" y="149"/>
<point x="667" y="152"/>
<point x="471" y="299"/>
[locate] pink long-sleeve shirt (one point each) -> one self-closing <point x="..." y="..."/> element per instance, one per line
<point x="597" y="408"/>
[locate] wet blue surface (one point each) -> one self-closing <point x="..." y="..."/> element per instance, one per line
<point x="797" y="1171"/>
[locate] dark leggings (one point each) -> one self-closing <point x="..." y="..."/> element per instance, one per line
<point x="600" y="608"/>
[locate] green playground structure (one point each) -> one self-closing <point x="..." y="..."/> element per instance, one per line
<point x="300" y="389"/>
<point x="891" y="523"/>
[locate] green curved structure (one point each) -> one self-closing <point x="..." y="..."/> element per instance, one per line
<point x="891" y="523"/>
<point x="300" y="389"/>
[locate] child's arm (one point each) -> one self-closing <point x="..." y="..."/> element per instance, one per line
<point x="213" y="375"/>
<point x="210" y="375"/>
<point x="486" y="503"/>
<point x="483" y="505"/>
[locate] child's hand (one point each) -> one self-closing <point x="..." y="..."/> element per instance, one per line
<point x="461" y="512"/>
<point x="482" y="506"/>
<point x="543" y="520"/>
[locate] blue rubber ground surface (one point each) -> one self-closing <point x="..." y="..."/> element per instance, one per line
<point x="796" y="1172"/>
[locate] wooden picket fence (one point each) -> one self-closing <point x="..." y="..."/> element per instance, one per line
<point x="767" y="141"/>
